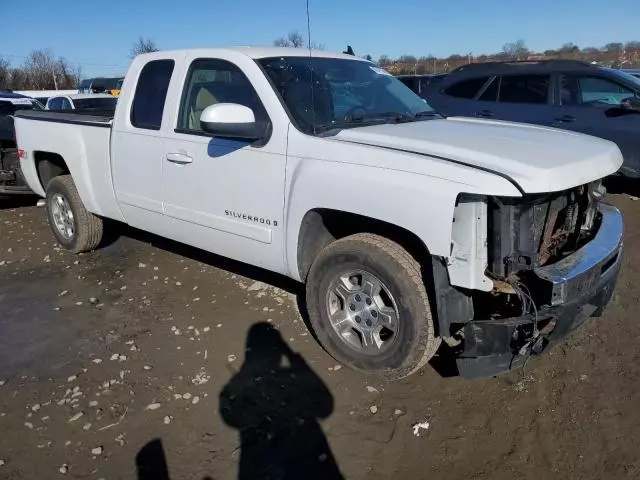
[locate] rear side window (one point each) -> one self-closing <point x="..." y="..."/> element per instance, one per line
<point x="151" y="93"/>
<point x="533" y="89"/>
<point x="490" y="93"/>
<point x="466" y="88"/>
<point x="55" y="104"/>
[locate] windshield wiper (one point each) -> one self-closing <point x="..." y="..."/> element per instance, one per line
<point x="397" y="117"/>
<point x="362" y="121"/>
<point x="368" y="119"/>
<point x="427" y="113"/>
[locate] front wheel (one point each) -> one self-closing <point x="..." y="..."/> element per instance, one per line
<point x="369" y="308"/>
<point x="74" y="227"/>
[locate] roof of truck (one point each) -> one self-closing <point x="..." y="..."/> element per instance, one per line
<point x="264" y="52"/>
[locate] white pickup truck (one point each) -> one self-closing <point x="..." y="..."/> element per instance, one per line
<point x="408" y="228"/>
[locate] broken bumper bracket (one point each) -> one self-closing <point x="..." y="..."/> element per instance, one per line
<point x="582" y="285"/>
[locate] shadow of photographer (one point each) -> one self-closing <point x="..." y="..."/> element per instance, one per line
<point x="275" y="401"/>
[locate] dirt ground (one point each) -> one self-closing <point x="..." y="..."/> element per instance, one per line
<point x="150" y="360"/>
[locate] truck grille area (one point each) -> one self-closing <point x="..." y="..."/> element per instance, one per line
<point x="536" y="230"/>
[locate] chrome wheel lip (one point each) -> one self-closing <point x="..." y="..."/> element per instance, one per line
<point x="364" y="316"/>
<point x="62" y="216"/>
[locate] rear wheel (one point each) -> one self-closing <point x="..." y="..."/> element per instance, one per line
<point x="74" y="227"/>
<point x="369" y="308"/>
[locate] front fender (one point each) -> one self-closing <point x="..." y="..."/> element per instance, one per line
<point x="421" y="205"/>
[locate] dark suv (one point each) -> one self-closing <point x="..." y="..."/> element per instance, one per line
<point x="11" y="179"/>
<point x="560" y="93"/>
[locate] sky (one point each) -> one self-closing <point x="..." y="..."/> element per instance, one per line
<point x="98" y="35"/>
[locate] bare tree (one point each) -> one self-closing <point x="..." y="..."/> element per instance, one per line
<point x="516" y="50"/>
<point x="293" y="39"/>
<point x="407" y="59"/>
<point x="42" y="70"/>
<point x="5" y="73"/>
<point x="19" y="80"/>
<point x="384" y="60"/>
<point x="614" y="47"/>
<point x="142" y="45"/>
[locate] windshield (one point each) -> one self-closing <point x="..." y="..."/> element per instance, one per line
<point x="628" y="77"/>
<point x="95" y="103"/>
<point x="346" y="93"/>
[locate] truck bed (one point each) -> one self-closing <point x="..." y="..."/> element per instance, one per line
<point x="95" y="118"/>
<point x="82" y="142"/>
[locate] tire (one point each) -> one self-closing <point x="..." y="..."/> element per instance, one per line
<point x="87" y="228"/>
<point x="413" y="341"/>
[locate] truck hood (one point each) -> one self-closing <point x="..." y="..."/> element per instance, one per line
<point x="538" y="159"/>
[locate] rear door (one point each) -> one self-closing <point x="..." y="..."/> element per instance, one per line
<point x="137" y="146"/>
<point x="592" y="104"/>
<point x="526" y="98"/>
<point x="456" y="98"/>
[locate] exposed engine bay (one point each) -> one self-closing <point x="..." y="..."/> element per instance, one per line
<point x="536" y="230"/>
<point x="538" y="266"/>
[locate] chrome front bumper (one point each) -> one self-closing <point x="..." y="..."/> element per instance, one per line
<point x="577" y="273"/>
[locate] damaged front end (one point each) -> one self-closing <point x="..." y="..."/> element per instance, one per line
<point x="553" y="261"/>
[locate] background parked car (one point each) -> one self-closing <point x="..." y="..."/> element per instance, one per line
<point x="561" y="93"/>
<point x="419" y="83"/>
<point x="101" y="85"/>
<point x="80" y="101"/>
<point x="11" y="179"/>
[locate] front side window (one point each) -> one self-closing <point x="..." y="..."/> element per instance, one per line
<point x="323" y="94"/>
<point x="151" y="93"/>
<point x="601" y="92"/>
<point x="466" y="88"/>
<point x="66" y="104"/>
<point x="531" y="89"/>
<point x="212" y="81"/>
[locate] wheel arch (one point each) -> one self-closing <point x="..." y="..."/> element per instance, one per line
<point x="48" y="166"/>
<point x="321" y="226"/>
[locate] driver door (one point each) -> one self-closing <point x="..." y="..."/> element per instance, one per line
<point x="224" y="195"/>
<point x="592" y="104"/>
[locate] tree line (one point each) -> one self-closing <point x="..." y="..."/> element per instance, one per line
<point x="614" y="54"/>
<point x="41" y="70"/>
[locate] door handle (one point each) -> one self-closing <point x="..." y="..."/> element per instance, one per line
<point x="565" y="119"/>
<point x="181" y="158"/>
<point x="485" y="114"/>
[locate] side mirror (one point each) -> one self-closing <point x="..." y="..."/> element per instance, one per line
<point x="230" y="120"/>
<point x="631" y="103"/>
